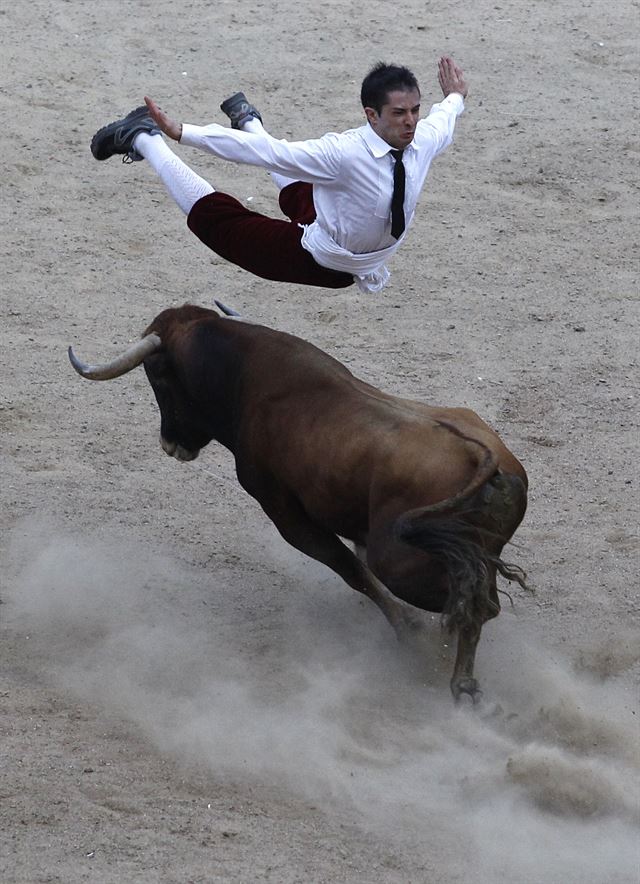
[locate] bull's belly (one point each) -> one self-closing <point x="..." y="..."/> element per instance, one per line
<point x="350" y="524"/>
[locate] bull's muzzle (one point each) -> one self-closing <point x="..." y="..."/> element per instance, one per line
<point x="173" y="449"/>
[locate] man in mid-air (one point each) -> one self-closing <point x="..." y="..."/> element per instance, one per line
<point x="349" y="196"/>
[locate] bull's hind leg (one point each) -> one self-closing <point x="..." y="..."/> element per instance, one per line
<point x="463" y="680"/>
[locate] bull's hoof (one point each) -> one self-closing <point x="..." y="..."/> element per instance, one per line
<point x="468" y="686"/>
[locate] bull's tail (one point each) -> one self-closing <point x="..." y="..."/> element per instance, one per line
<point x="487" y="467"/>
<point x="468" y="543"/>
<point x="469" y="565"/>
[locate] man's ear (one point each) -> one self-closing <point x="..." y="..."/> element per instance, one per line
<point x="372" y="114"/>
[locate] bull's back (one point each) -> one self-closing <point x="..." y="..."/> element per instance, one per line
<point x="343" y="446"/>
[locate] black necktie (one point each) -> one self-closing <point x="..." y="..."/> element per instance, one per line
<point x="397" y="200"/>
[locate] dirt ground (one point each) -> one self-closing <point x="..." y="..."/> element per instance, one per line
<point x="183" y="698"/>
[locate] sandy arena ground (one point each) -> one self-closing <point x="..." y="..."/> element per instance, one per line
<point x="184" y="698"/>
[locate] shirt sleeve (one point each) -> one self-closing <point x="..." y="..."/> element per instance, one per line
<point x="314" y="161"/>
<point x="437" y="127"/>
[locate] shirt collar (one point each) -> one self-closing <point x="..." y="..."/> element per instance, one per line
<point x="377" y="146"/>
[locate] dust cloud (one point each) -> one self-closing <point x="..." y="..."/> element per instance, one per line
<point x="302" y="687"/>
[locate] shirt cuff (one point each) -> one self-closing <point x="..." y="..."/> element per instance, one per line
<point x="188" y="135"/>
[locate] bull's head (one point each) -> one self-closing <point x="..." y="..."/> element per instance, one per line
<point x="186" y="423"/>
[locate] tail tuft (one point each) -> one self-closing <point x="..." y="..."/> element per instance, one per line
<point x="464" y="550"/>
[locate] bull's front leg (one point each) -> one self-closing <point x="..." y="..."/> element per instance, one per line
<point x="407" y="622"/>
<point x="300" y="531"/>
<point x="463" y="680"/>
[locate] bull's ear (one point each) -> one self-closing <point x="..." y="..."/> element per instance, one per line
<point x="228" y="311"/>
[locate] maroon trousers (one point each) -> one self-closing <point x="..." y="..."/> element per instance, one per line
<point x="267" y="247"/>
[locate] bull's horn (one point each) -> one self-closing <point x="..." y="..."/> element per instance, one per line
<point x="130" y="359"/>
<point x="226" y="310"/>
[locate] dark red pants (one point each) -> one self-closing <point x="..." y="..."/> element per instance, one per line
<point x="267" y="247"/>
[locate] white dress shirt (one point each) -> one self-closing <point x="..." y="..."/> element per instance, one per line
<point x="352" y="177"/>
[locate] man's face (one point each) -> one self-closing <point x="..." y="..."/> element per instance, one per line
<point x="396" y="122"/>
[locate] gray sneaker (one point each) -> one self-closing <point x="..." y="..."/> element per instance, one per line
<point x="117" y="137"/>
<point x="238" y="109"/>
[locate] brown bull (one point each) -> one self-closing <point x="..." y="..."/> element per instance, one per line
<point x="428" y="495"/>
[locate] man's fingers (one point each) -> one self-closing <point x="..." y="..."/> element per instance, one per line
<point x="450" y="76"/>
<point x="157" y="114"/>
<point x="166" y="125"/>
<point x="448" y="67"/>
<point x="154" y="110"/>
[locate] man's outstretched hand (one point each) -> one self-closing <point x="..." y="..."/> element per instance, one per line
<point x="169" y="127"/>
<point x="451" y="77"/>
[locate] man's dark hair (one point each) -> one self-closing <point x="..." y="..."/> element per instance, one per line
<point x="382" y="79"/>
